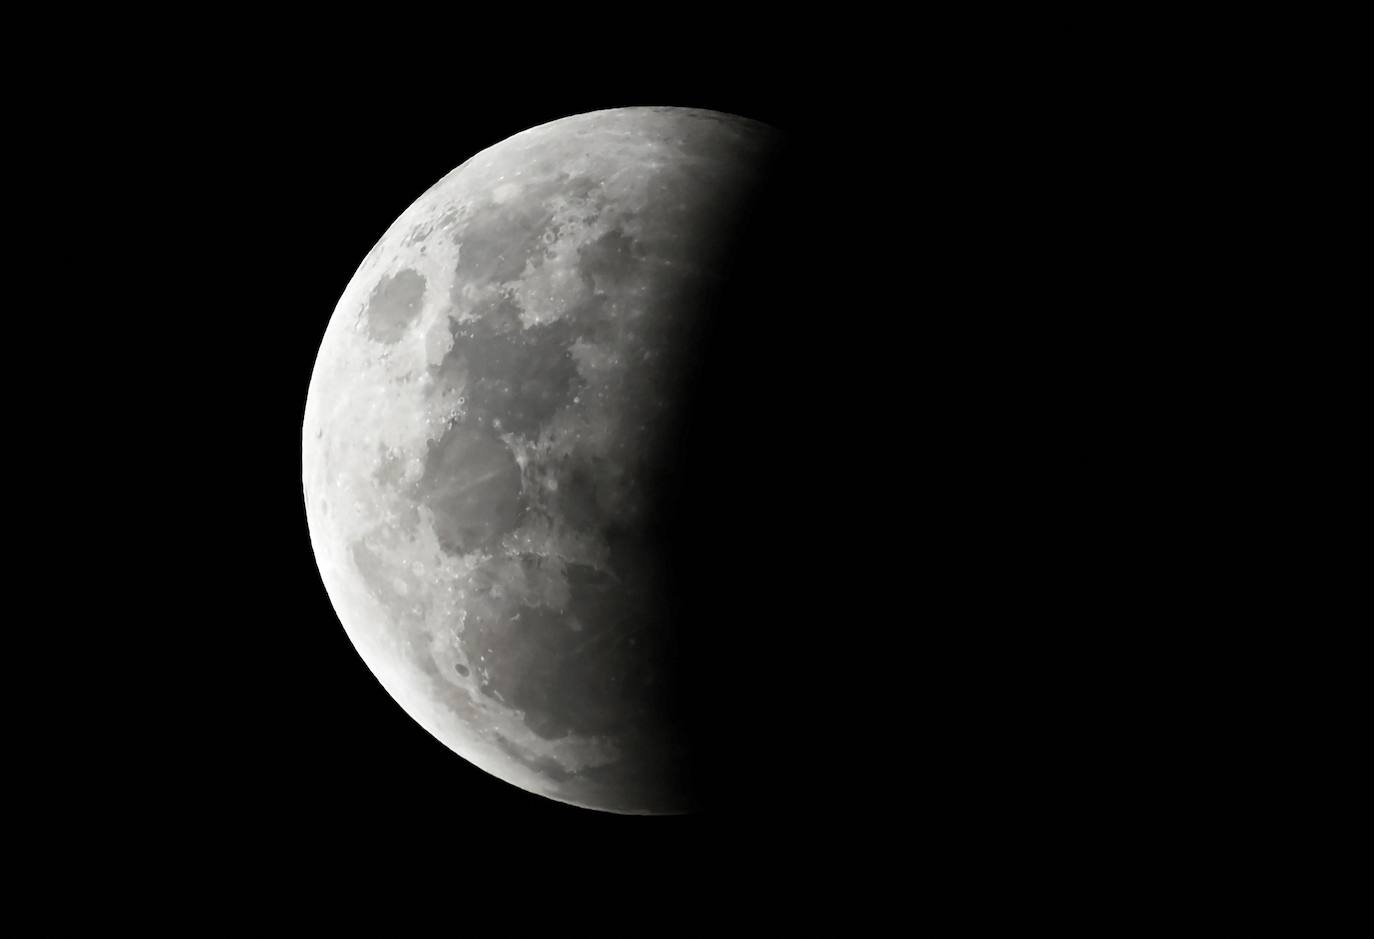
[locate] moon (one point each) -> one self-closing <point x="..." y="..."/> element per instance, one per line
<point x="487" y="431"/>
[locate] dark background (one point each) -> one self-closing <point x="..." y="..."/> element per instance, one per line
<point x="788" y="528"/>
<point x="969" y="544"/>
<point x="900" y="500"/>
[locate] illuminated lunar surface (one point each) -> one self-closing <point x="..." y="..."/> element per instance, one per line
<point x="483" y="435"/>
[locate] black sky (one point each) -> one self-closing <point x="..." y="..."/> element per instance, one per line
<point x="269" y="198"/>
<point x="901" y="531"/>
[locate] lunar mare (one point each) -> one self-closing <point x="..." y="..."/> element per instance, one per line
<point x="484" y="432"/>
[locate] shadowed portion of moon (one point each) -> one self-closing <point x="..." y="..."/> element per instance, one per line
<point x="588" y="667"/>
<point x="516" y="420"/>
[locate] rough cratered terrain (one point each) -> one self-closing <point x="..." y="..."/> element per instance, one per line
<point x="486" y="435"/>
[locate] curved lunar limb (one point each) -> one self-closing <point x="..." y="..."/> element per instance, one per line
<point x="486" y="433"/>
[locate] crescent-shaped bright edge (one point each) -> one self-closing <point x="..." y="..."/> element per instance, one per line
<point x="473" y="435"/>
